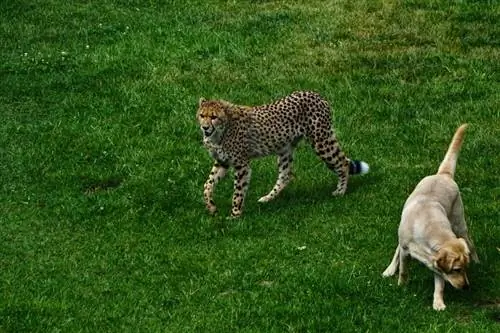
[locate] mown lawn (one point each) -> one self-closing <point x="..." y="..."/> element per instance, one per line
<point x="102" y="222"/>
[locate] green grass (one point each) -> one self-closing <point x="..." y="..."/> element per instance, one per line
<point x="103" y="228"/>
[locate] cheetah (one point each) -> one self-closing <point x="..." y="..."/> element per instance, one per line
<point x="235" y="134"/>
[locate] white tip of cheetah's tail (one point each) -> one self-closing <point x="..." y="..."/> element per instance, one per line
<point x="358" y="167"/>
<point x="363" y="167"/>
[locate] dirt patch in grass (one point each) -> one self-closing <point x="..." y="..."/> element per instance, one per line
<point x="94" y="186"/>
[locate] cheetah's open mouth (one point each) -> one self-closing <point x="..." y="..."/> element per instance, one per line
<point x="208" y="131"/>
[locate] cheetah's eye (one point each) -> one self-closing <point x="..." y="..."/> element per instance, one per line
<point x="213" y="117"/>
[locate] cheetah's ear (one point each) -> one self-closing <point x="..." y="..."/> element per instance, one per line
<point x="201" y="101"/>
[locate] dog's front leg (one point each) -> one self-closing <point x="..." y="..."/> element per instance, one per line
<point x="459" y="226"/>
<point x="472" y="248"/>
<point x="438" y="302"/>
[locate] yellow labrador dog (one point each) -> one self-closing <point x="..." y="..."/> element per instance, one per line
<point x="433" y="228"/>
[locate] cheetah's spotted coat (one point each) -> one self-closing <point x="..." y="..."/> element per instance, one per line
<point x="236" y="134"/>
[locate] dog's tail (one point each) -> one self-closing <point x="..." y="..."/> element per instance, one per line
<point x="449" y="162"/>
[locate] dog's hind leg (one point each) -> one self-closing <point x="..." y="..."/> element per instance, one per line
<point x="393" y="266"/>
<point x="403" y="263"/>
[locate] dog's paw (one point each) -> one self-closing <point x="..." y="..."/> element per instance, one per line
<point x="438" y="305"/>
<point x="403" y="278"/>
<point x="389" y="271"/>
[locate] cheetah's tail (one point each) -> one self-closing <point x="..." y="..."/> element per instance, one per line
<point x="358" y="167"/>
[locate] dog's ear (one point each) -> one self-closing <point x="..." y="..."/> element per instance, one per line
<point x="466" y="247"/>
<point x="466" y="258"/>
<point x="441" y="261"/>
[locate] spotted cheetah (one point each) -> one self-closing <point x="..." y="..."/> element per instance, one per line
<point x="235" y="134"/>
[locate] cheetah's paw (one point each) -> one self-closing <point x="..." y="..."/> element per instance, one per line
<point x="265" y="198"/>
<point x="212" y="210"/>
<point x="338" y="193"/>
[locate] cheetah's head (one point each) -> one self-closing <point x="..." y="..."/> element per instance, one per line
<point x="212" y="117"/>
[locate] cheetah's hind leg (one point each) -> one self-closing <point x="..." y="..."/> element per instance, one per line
<point x="285" y="160"/>
<point x="328" y="149"/>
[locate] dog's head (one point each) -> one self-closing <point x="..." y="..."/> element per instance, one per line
<point x="451" y="262"/>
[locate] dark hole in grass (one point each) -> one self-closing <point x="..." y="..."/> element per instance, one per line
<point x="495" y="316"/>
<point x="489" y="303"/>
<point x="92" y="186"/>
<point x="492" y="304"/>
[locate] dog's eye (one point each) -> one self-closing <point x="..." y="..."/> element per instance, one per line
<point x="456" y="270"/>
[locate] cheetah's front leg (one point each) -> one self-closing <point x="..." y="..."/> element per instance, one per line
<point x="217" y="173"/>
<point x="241" y="181"/>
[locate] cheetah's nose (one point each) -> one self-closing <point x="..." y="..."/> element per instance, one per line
<point x="207" y="130"/>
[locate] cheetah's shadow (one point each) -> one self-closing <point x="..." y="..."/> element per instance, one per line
<point x="300" y="195"/>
